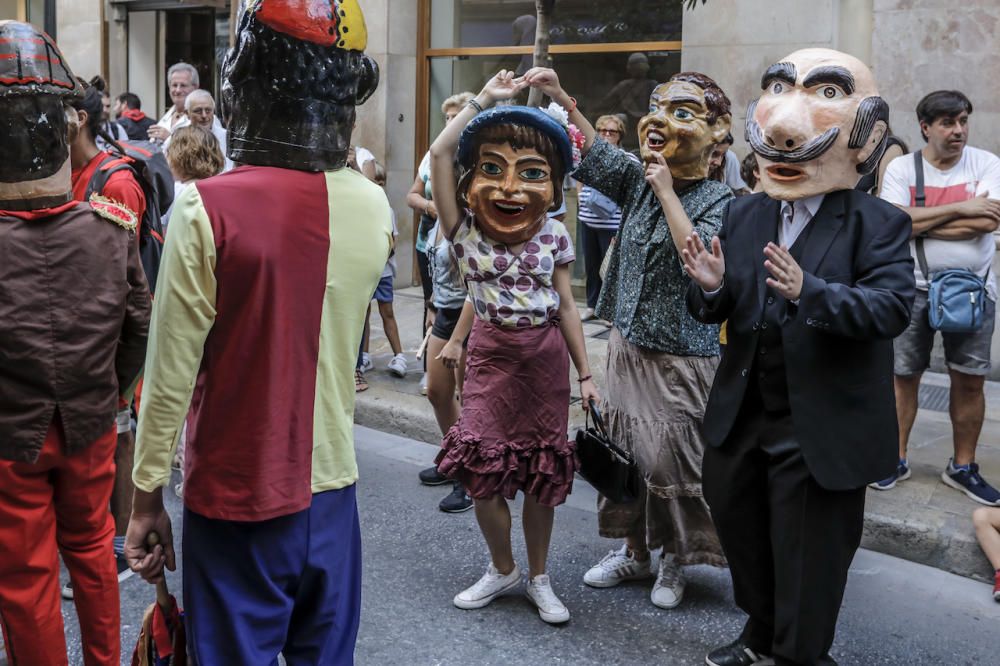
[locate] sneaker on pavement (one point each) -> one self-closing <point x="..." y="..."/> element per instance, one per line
<point x="397" y="365"/>
<point x="996" y="586"/>
<point x="971" y="483"/>
<point x="366" y="362"/>
<point x="550" y="609"/>
<point x="457" y="502"/>
<point x="902" y="473"/>
<point x="587" y="314"/>
<point x="486" y="589"/>
<point x="616" y="567"/>
<point x="423" y="384"/>
<point x="737" y="654"/>
<point x="432" y="477"/>
<point x="668" y="590"/>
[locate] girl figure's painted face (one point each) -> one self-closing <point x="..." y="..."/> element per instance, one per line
<point x="510" y="192"/>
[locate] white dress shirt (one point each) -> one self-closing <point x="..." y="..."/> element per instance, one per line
<point x="795" y="215"/>
<point x="168" y="119"/>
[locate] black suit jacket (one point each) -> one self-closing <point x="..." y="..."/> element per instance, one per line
<point x="857" y="292"/>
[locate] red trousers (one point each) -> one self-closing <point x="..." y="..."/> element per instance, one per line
<point x="59" y="505"/>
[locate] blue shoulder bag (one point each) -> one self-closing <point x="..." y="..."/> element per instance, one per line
<point x="956" y="297"/>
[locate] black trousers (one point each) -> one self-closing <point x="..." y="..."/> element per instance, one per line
<point x="595" y="245"/>
<point x="788" y="541"/>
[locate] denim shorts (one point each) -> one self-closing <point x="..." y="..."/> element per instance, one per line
<point x="967" y="353"/>
<point x="383" y="292"/>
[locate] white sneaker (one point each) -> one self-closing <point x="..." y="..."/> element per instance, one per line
<point x="617" y="566"/>
<point x="366" y="362"/>
<point x="550" y="608"/>
<point x="489" y="587"/>
<point x="587" y="314"/>
<point x="397" y="365"/>
<point x="668" y="590"/>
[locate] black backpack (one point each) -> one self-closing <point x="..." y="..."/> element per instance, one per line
<point x="149" y="167"/>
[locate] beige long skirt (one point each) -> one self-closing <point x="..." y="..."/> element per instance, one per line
<point x="653" y="403"/>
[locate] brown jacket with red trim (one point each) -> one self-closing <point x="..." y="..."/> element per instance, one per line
<point x="74" y="315"/>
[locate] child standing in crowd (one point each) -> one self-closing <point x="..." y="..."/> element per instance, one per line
<point x="511" y="434"/>
<point x="447" y="298"/>
<point x="383" y="296"/>
<point x="419" y="198"/>
<point x="987" y="523"/>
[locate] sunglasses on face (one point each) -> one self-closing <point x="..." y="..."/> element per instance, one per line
<point x="609" y="132"/>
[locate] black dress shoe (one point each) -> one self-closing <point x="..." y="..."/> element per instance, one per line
<point x="737" y="654"/>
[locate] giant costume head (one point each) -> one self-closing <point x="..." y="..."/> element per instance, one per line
<point x="36" y="123"/>
<point x="292" y="81"/>
<point x="687" y="116"/>
<point x="513" y="160"/>
<point x="818" y="126"/>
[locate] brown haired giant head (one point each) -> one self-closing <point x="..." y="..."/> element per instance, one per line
<point x="514" y="159"/>
<point x="687" y="116"/>
<point x="36" y="84"/>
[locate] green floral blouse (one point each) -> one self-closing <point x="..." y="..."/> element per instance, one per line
<point x="645" y="287"/>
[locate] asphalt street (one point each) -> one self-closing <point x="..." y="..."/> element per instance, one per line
<point x="417" y="558"/>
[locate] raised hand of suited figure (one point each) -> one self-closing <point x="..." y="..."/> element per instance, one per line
<point x="706" y="268"/>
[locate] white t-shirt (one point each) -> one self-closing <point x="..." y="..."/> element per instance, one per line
<point x="390" y="265"/>
<point x="362" y="155"/>
<point x="424" y="172"/>
<point x="976" y="172"/>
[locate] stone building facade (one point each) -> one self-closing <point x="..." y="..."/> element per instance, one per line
<point x="428" y="49"/>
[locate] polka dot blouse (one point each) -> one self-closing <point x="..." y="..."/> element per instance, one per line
<point x="513" y="290"/>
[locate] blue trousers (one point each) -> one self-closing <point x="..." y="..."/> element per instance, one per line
<point x="290" y="584"/>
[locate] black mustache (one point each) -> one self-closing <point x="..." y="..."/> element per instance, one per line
<point x="804" y="153"/>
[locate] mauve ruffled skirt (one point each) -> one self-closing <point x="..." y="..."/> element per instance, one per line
<point x="511" y="434"/>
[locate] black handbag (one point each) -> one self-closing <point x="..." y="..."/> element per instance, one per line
<point x="603" y="464"/>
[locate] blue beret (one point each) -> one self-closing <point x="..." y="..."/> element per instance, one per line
<point x="516" y="115"/>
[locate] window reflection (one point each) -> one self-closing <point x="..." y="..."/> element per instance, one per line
<point x="601" y="82"/>
<point x="469" y="23"/>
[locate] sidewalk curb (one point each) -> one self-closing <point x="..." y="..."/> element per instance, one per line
<point x="397" y="413"/>
<point x="933" y="540"/>
<point x="942" y="546"/>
